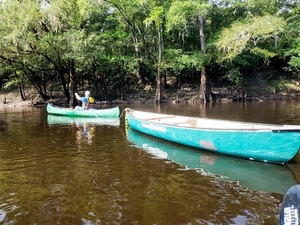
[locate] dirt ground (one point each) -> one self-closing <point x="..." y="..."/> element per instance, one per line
<point x="13" y="99"/>
<point x="185" y="95"/>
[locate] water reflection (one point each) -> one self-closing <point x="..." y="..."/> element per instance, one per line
<point x="84" y="133"/>
<point x="52" y="120"/>
<point x="253" y="175"/>
<point x="85" y="127"/>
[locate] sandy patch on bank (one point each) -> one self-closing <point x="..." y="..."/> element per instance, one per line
<point x="13" y="99"/>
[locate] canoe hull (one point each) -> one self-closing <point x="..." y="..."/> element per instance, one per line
<point x="263" y="145"/>
<point x="92" y="113"/>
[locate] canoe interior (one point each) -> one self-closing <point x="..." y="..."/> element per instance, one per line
<point x="204" y="123"/>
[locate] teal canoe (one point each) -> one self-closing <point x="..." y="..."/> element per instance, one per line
<point x="91" y="113"/>
<point x="253" y="175"/>
<point x="255" y="141"/>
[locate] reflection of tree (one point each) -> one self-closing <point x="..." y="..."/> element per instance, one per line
<point x="84" y="133"/>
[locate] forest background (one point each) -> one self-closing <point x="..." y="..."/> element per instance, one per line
<point x="118" y="48"/>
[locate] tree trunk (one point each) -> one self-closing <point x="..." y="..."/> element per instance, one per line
<point x="205" y="89"/>
<point x="141" y="73"/>
<point x="73" y="84"/>
<point x="38" y="82"/>
<point x="22" y="92"/>
<point x="64" y="85"/>
<point x="157" y="98"/>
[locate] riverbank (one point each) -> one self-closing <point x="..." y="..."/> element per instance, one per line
<point x="186" y="95"/>
<point x="13" y="100"/>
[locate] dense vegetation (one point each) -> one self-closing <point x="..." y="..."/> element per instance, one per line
<point x="113" y="46"/>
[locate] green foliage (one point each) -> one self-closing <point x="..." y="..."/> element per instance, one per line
<point x="182" y="22"/>
<point x="155" y="16"/>
<point x="177" y="61"/>
<point x="249" y="34"/>
<point x="14" y="82"/>
<point x="182" y="12"/>
<point x="110" y="41"/>
<point x="235" y="76"/>
<point x="293" y="38"/>
<point x="277" y="85"/>
<point x="263" y="53"/>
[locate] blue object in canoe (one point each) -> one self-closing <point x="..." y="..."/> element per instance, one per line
<point x="290" y="208"/>
<point x="91" y="113"/>
<point x="255" y="141"/>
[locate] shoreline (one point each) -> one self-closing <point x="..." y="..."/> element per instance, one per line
<point x="13" y="99"/>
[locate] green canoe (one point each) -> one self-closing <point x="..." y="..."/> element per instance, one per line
<point x="91" y="113"/>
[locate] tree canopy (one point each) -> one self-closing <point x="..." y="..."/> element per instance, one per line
<point x="112" y="47"/>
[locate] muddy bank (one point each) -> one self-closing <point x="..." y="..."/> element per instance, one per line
<point x="183" y="96"/>
<point x="13" y="99"/>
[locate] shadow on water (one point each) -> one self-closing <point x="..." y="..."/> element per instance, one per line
<point x="294" y="166"/>
<point x="253" y="175"/>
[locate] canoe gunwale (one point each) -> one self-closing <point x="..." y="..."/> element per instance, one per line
<point x="191" y="123"/>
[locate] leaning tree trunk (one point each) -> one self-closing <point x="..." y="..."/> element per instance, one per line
<point x="205" y="89"/>
<point x="21" y="88"/>
<point x="22" y="91"/>
<point x="157" y="98"/>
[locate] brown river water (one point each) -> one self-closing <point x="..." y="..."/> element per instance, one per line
<point x="54" y="170"/>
